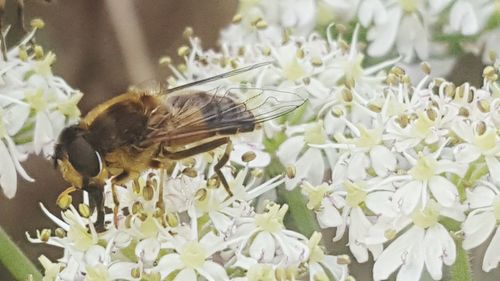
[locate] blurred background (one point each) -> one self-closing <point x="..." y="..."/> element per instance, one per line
<point x="97" y="52"/>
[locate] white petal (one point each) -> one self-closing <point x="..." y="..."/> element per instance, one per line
<point x="263" y="247"/>
<point x="44" y="134"/>
<point x="466" y="153"/>
<point x="477" y="229"/>
<point x="328" y="216"/>
<point x="290" y="149"/>
<point x="122" y="270"/>
<point x="382" y="160"/>
<point x="358" y="228"/>
<point x="168" y="264"/>
<point x="148" y="249"/>
<point x="394" y="255"/>
<point x="380" y="203"/>
<point x="492" y="255"/>
<point x="8" y="176"/>
<point x="480" y="196"/>
<point x="443" y="190"/>
<point x="384" y="35"/>
<point x="95" y="255"/>
<point x="413" y="265"/>
<point x="357" y="166"/>
<point x="186" y="274"/>
<point x="15" y="117"/>
<point x="213" y="271"/>
<point x="494" y="167"/>
<point x="407" y="197"/>
<point x="439" y="246"/>
<point x="463" y="18"/>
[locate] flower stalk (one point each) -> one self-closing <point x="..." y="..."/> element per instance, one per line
<point x="14" y="259"/>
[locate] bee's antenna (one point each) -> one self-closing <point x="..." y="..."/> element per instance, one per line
<point x="219" y="76"/>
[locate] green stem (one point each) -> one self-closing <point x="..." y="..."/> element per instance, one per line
<point x="302" y="217"/>
<point x="461" y="270"/>
<point x="14" y="259"/>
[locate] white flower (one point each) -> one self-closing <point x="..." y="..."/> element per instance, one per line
<point x="425" y="176"/>
<point x="35" y="106"/>
<point x="469" y="17"/>
<point x="192" y="258"/>
<point x="401" y="23"/>
<point x="426" y="243"/>
<point x="265" y="239"/>
<point x="482" y="221"/>
<point x="321" y="266"/>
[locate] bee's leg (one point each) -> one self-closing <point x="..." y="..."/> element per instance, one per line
<point x="116" y="203"/>
<point x="96" y="194"/>
<point x="120" y="177"/>
<point x="178" y="155"/>
<point x="223" y="161"/>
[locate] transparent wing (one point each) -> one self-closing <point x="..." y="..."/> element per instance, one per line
<point x="193" y="116"/>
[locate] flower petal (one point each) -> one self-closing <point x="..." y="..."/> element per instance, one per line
<point x="382" y="160"/>
<point x="8" y="176"/>
<point x="491" y="257"/>
<point x="443" y="190"/>
<point x="213" y="271"/>
<point x="186" y="274"/>
<point x="477" y="228"/>
<point x="407" y="197"/>
<point x="396" y="253"/>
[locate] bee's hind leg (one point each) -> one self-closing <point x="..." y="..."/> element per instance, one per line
<point x="223" y="161"/>
<point x="178" y="155"/>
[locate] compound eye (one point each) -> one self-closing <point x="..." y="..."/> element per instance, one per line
<point x="83" y="157"/>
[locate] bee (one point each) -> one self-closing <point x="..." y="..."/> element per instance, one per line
<point x="143" y="129"/>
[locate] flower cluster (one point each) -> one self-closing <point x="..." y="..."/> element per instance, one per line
<point x="35" y="106"/>
<point x="184" y="228"/>
<point x="409" y="172"/>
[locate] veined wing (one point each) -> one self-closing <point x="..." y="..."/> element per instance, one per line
<point x="193" y="116"/>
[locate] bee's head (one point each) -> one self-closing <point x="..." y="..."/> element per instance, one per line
<point x="74" y="148"/>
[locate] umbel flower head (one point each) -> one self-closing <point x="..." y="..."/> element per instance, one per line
<point x="388" y="162"/>
<point x="35" y="105"/>
<point x="207" y="237"/>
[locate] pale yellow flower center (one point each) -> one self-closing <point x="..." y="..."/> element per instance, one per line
<point x="315" y="195"/>
<point x="424" y="169"/>
<point x="97" y="273"/>
<point x="428" y="216"/>
<point x="369" y="137"/>
<point x="355" y="194"/>
<point x="148" y="227"/>
<point x="193" y="254"/>
<point x="36" y="99"/>
<point x="315" y="134"/>
<point x="421" y="126"/>
<point x="409" y="6"/>
<point x="43" y="67"/>
<point x="259" y="272"/>
<point x="272" y="221"/>
<point x="69" y="107"/>
<point x="353" y="69"/>
<point x="81" y="238"/>
<point x="293" y="71"/>
<point x="316" y="253"/>
<point x="486" y="141"/>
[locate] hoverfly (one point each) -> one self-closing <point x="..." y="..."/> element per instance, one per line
<point x="143" y="129"/>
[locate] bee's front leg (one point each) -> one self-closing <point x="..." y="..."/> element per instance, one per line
<point x="96" y="194"/>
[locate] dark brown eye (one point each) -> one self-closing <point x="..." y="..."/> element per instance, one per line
<point x="83" y="157"/>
